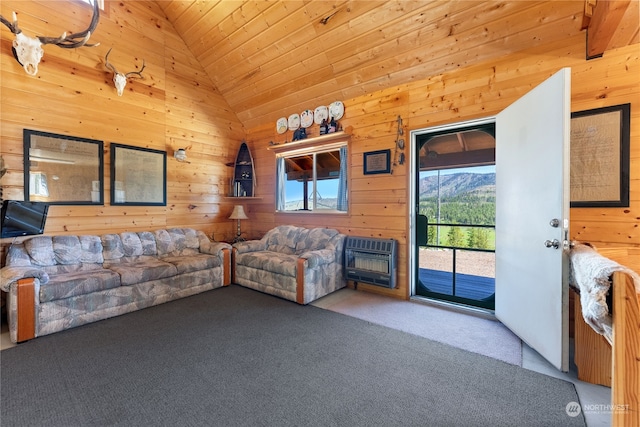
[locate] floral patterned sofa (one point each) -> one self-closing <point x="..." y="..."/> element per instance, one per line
<point x="294" y="263"/>
<point x="60" y="282"/>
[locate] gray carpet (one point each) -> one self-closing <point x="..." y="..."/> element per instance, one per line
<point x="233" y="356"/>
<point x="479" y="335"/>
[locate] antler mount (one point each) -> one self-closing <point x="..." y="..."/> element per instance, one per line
<point x="28" y="50"/>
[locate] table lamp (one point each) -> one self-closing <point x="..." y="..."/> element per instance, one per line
<point x="238" y="213"/>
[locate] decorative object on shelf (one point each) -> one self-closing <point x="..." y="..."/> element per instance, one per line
<point x="282" y="125"/>
<point x="120" y="79"/>
<point x="294" y="121"/>
<point x="243" y="182"/>
<point x="306" y="118"/>
<point x="324" y="126"/>
<point x="332" y="126"/>
<point x="398" y="154"/>
<point x="336" y="110"/>
<point x="28" y="50"/>
<point x="300" y="133"/>
<point x="180" y="155"/>
<point x="320" y="114"/>
<point x="238" y="214"/>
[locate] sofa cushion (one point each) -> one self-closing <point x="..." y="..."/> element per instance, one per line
<point x="133" y="271"/>
<point x="66" y="249"/>
<point x="71" y="268"/>
<point x="283" y="239"/>
<point x="187" y="264"/>
<point x="91" y="249"/>
<point x="314" y="239"/>
<point x="131" y="243"/>
<point x="17" y="256"/>
<point x="81" y="282"/>
<point x="274" y="262"/>
<point x="164" y="242"/>
<point x="177" y="242"/>
<point x="40" y="250"/>
<point x="148" y="241"/>
<point x="112" y="247"/>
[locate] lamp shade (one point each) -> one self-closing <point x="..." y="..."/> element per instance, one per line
<point x="238" y="213"/>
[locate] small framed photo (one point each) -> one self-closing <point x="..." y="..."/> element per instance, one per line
<point x="376" y="162"/>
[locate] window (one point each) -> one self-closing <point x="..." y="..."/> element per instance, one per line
<point x="312" y="179"/>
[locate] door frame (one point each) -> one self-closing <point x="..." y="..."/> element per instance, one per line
<point x="413" y="203"/>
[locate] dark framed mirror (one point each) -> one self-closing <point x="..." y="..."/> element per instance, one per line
<point x="62" y="169"/>
<point x="138" y="176"/>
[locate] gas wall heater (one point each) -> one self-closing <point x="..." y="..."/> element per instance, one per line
<point x="370" y="260"/>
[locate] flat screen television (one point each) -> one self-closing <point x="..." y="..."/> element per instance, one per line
<point x="23" y="218"/>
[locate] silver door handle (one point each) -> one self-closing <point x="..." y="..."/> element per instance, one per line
<point x="555" y="243"/>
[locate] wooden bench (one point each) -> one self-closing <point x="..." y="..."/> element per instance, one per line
<point x="616" y="365"/>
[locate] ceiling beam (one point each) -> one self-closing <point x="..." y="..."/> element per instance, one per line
<point x="606" y="16"/>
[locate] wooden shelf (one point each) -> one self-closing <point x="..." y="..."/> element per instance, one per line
<point x="243" y="198"/>
<point x="319" y="141"/>
<point x="244" y="175"/>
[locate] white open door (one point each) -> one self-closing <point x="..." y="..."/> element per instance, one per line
<point x="532" y="218"/>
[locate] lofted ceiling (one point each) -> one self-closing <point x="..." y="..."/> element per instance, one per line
<point x="269" y="58"/>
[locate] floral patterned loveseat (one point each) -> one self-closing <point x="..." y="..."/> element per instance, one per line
<point x="60" y="282"/>
<point x="294" y="263"/>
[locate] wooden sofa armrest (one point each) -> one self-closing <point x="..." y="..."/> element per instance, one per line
<point x="226" y="267"/>
<point x="26" y="310"/>
<point x="300" y="281"/>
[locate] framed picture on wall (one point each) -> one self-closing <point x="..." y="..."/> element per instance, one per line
<point x="62" y="169"/>
<point x="600" y="157"/>
<point x="138" y="176"/>
<point x="376" y="162"/>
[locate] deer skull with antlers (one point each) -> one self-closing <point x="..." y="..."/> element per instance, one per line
<point x="120" y="79"/>
<point x="28" y="50"/>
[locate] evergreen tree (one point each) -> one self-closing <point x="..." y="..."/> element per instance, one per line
<point x="431" y="235"/>
<point x="483" y="238"/>
<point x="455" y="237"/>
<point x="472" y="238"/>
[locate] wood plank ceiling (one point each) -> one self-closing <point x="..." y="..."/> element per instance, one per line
<point x="271" y="58"/>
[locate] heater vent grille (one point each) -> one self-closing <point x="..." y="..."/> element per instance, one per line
<point x="371" y="260"/>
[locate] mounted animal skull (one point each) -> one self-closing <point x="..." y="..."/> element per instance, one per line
<point x="120" y="79"/>
<point x="28" y="50"/>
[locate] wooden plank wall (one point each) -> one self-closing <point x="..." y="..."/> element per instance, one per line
<point x="378" y="203"/>
<point x="174" y="106"/>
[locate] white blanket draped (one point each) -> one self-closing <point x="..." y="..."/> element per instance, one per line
<point x="591" y="274"/>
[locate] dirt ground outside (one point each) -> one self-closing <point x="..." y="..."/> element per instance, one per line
<point x="467" y="262"/>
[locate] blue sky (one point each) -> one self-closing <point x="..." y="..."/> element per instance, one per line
<point x="326" y="188"/>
